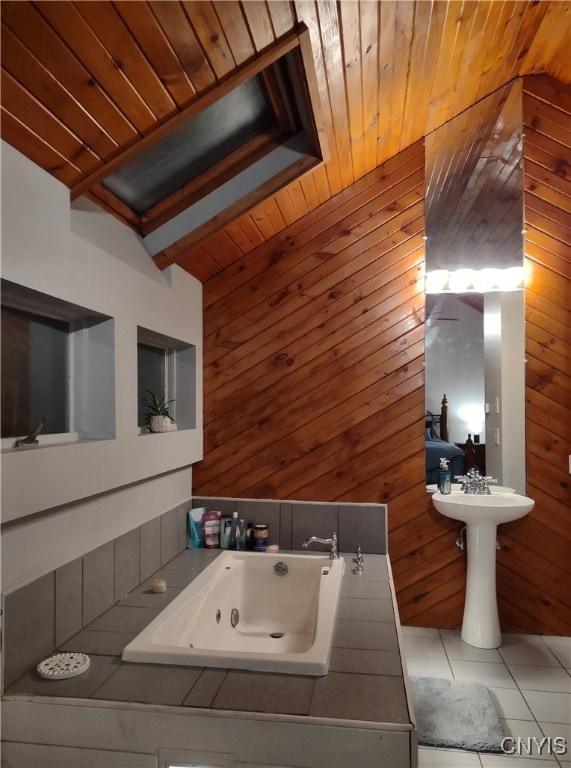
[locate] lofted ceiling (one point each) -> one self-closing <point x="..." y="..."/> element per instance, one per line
<point x="85" y="81"/>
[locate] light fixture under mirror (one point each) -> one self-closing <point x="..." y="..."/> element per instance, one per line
<point x="474" y="344"/>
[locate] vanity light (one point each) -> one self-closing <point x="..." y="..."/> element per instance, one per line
<point x="476" y="281"/>
<point x="486" y="279"/>
<point x="436" y="281"/>
<point x="511" y="279"/>
<point x="461" y="280"/>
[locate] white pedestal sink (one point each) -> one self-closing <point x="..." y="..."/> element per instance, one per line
<point x="482" y="515"/>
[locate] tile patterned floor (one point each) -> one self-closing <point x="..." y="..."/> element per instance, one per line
<point x="529" y="677"/>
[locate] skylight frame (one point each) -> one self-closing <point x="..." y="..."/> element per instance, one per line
<point x="268" y="65"/>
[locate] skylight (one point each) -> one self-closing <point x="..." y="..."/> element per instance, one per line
<point x="204" y="141"/>
<point x="233" y="147"/>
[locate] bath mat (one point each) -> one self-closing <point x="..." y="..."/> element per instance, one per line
<point x="456" y="715"/>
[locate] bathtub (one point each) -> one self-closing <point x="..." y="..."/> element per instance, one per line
<point x="248" y="610"/>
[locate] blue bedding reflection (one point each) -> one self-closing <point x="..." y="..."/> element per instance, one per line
<point x="437" y="449"/>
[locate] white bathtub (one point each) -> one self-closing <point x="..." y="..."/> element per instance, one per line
<point x="285" y="622"/>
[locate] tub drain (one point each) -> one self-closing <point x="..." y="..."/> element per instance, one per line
<point x="276" y="635"/>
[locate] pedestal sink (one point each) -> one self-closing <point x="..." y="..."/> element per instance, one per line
<point x="482" y="515"/>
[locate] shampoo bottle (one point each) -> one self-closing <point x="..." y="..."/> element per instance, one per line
<point x="444" y="477"/>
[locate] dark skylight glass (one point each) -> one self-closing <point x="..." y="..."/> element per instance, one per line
<point x="204" y="141"/>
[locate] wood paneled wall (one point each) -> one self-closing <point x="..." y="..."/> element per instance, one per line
<point x="314" y="372"/>
<point x="314" y="351"/>
<point x="534" y="567"/>
<point x="314" y="378"/>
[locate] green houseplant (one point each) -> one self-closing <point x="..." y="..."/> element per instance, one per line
<point x="157" y="414"/>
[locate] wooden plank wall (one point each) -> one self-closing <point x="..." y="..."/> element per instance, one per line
<point x="314" y="384"/>
<point x="314" y="373"/>
<point x="314" y="351"/>
<point x="534" y="568"/>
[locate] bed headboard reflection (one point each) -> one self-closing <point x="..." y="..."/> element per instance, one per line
<point x="438" y="422"/>
<point x="438" y="447"/>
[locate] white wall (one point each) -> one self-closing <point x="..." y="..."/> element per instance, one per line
<point x="504" y="343"/>
<point x="86" y="257"/>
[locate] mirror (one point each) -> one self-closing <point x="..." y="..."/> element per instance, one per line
<point x="474" y="342"/>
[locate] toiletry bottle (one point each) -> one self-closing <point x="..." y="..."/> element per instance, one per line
<point x="444" y="477"/>
<point x="249" y="537"/>
<point x="241" y="534"/>
<point x="225" y="532"/>
<point x="233" y="531"/>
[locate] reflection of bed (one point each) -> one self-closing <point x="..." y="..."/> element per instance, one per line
<point x="438" y="447"/>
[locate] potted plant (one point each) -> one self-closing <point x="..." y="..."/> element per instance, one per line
<point x="157" y="413"/>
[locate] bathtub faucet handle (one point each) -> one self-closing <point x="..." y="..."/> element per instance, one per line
<point x="333" y="554"/>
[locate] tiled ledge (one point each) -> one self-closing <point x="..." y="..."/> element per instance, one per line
<point x="365" y="682"/>
<point x="45" y="614"/>
<point x="42" y="615"/>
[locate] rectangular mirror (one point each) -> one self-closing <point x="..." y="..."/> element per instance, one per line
<point x="474" y="347"/>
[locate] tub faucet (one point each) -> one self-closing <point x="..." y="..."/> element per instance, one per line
<point x="333" y="555"/>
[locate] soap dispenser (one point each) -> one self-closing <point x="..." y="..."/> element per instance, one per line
<point x="444" y="477"/>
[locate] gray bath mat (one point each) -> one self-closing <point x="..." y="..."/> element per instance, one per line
<point x="455" y="714"/>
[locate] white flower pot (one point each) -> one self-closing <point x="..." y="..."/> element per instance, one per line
<point x="160" y="424"/>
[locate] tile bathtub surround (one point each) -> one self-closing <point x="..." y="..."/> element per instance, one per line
<point x="98" y="581"/>
<point x="290" y="522"/>
<point x="127" y="562"/>
<point x="46" y="613"/>
<point x="365" y="661"/>
<point x="29" y="626"/>
<point x="68" y="600"/>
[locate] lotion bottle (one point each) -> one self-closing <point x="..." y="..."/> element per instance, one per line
<point x="444" y="477"/>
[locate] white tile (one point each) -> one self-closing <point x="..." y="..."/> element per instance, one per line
<point x="423" y="667"/>
<point x="555" y="640"/>
<point x="558" y="731"/>
<point x="512" y="761"/>
<point x="447" y="758"/>
<point x="510" y="704"/>
<point x="560" y="647"/>
<point x="420" y="631"/>
<point x="493" y="675"/>
<point x="549" y="707"/>
<point x="532" y="744"/>
<point x="535" y="678"/>
<point x="429" y="647"/>
<point x="458" y="649"/>
<point x="450" y="633"/>
<point x="516" y="639"/>
<point x="528" y="653"/>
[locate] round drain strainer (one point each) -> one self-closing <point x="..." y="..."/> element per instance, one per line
<point x="276" y="635"/>
<point x="63" y="665"/>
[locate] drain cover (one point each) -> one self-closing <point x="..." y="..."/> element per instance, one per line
<point x="276" y="635"/>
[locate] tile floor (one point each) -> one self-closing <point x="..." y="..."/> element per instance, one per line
<point x="529" y="678"/>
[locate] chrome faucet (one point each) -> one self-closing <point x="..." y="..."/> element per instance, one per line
<point x="474" y="483"/>
<point x="333" y="555"/>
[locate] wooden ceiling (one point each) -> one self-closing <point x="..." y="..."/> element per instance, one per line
<point x="83" y="81"/>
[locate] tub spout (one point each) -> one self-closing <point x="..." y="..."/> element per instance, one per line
<point x="333" y="554"/>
